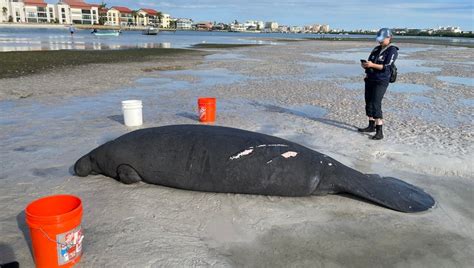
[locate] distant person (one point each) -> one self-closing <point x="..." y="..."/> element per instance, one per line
<point x="94" y="31"/>
<point x="71" y="29"/>
<point x="378" y="69"/>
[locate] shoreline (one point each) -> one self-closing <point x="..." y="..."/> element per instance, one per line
<point x="429" y="40"/>
<point x="77" y="26"/>
<point x="421" y="41"/>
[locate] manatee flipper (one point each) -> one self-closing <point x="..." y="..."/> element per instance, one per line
<point x="128" y="175"/>
<point x="387" y="191"/>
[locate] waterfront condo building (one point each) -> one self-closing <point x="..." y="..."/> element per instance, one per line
<point x="32" y="11"/>
<point x="12" y="11"/>
<point x="147" y="16"/>
<point x="184" y="24"/>
<point x="165" y="20"/>
<point x="38" y="11"/>
<point x="271" y="26"/>
<point x="204" y="26"/>
<point x="125" y="16"/>
<point x="79" y="12"/>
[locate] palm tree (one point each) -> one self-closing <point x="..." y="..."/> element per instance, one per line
<point x="102" y="14"/>
<point x="159" y="16"/>
<point x="4" y="9"/>
<point x="134" y="17"/>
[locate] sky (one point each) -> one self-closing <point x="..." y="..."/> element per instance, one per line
<point x="340" y="14"/>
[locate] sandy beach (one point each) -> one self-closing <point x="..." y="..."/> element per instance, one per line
<point x="309" y="92"/>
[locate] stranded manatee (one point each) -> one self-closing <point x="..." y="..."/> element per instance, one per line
<point x="228" y="160"/>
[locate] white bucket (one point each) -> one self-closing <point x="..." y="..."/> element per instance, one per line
<point x="132" y="113"/>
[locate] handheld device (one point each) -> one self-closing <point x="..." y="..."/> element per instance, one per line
<point x="363" y="61"/>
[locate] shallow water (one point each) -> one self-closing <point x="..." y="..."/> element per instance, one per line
<point x="446" y="118"/>
<point x="19" y="39"/>
<point x="404" y="63"/>
<point x="421" y="99"/>
<point x="208" y="77"/>
<point x="468" y="102"/>
<point x="467" y="81"/>
<point x="29" y="118"/>
<point x="305" y="110"/>
<point x="320" y="70"/>
<point x="225" y="56"/>
<point x="394" y="87"/>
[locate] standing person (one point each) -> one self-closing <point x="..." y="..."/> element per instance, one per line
<point x="71" y="29"/>
<point x="378" y="69"/>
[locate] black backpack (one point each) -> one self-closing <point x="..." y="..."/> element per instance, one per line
<point x="393" y="75"/>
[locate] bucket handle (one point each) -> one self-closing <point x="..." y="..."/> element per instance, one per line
<point x="56" y="242"/>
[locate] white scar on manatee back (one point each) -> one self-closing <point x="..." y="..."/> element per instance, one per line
<point x="249" y="150"/>
<point x="289" y="154"/>
<point x="245" y="152"/>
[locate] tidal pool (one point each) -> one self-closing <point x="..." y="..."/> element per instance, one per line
<point x="211" y="77"/>
<point x="394" y="87"/>
<point x="467" y="81"/>
<point x="404" y="63"/>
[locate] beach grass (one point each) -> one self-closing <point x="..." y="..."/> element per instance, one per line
<point x="212" y="45"/>
<point x="16" y="64"/>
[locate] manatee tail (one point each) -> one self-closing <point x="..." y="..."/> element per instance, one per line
<point x="386" y="191"/>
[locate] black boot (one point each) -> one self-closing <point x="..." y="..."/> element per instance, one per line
<point x="379" y="133"/>
<point x="370" y="128"/>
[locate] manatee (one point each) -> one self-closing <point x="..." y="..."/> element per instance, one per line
<point x="229" y="160"/>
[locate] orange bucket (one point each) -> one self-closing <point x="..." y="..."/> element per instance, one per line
<point x="55" y="229"/>
<point x="207" y="110"/>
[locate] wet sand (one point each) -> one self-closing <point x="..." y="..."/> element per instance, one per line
<point x="308" y="92"/>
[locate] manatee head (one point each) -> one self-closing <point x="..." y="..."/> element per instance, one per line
<point x="91" y="164"/>
<point x="83" y="166"/>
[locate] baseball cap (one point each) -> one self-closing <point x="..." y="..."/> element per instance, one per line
<point x="382" y="34"/>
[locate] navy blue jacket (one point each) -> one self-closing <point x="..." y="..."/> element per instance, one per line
<point x="386" y="57"/>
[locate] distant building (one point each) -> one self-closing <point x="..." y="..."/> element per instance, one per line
<point x="15" y="11"/>
<point x="450" y="29"/>
<point x="254" y="25"/>
<point x="140" y="17"/>
<point x="184" y="24"/>
<point x="324" y="28"/>
<point x="112" y="17"/>
<point x="63" y="13"/>
<point x="81" y="12"/>
<point x="165" y="21"/>
<point x="237" y="27"/>
<point x="283" y="29"/>
<point x="38" y="11"/>
<point x="204" y="26"/>
<point x="316" y="28"/>
<point x="124" y="14"/>
<point x="220" y="26"/>
<point x="77" y="12"/>
<point x="32" y="11"/>
<point x="296" y="29"/>
<point x="271" y="26"/>
<point x="147" y="16"/>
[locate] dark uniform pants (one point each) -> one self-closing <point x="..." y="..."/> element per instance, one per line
<point x="374" y="91"/>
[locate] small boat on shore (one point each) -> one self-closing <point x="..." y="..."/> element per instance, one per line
<point x="150" y="31"/>
<point x="106" y="33"/>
